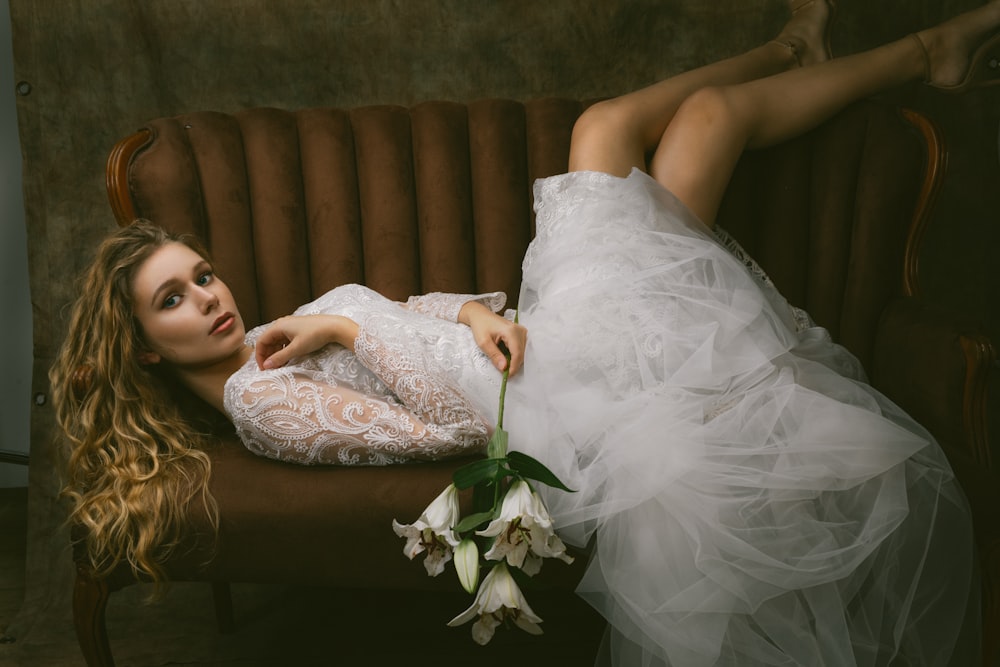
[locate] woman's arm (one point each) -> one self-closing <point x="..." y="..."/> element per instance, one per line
<point x="446" y="306"/>
<point x="300" y="417"/>
<point x="293" y="414"/>
<point x="407" y="356"/>
<point x="478" y="312"/>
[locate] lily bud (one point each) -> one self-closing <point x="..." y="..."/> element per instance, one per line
<point x="467" y="564"/>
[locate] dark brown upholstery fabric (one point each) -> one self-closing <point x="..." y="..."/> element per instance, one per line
<point x="438" y="198"/>
<point x="441" y="163"/>
<point x="344" y="515"/>
<point x="914" y="330"/>
<point x="293" y="204"/>
<point x="827" y="215"/>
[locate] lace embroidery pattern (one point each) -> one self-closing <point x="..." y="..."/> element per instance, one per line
<point x="447" y="306"/>
<point x="385" y="344"/>
<point x="802" y="319"/>
<point x="290" y="417"/>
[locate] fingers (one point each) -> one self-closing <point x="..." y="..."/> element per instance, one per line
<point x="275" y="360"/>
<point x="298" y="335"/>
<point x="270" y="350"/>
<point x="515" y="345"/>
<point x="513" y="338"/>
<point x="274" y="346"/>
<point x="497" y="357"/>
<point x="489" y="347"/>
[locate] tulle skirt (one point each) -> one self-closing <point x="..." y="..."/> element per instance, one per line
<point x="747" y="499"/>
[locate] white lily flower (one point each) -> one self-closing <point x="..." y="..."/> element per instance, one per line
<point x="467" y="564"/>
<point x="432" y="532"/>
<point x="524" y="531"/>
<point x="499" y="599"/>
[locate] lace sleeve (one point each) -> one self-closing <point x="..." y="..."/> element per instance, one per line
<point x="417" y="364"/>
<point x="447" y="306"/>
<point x="291" y="416"/>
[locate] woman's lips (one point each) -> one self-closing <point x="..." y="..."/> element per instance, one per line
<point x="223" y="324"/>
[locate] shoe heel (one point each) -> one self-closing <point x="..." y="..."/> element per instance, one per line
<point x="984" y="68"/>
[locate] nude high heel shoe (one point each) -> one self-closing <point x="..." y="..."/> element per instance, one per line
<point x="796" y="6"/>
<point x="984" y="67"/>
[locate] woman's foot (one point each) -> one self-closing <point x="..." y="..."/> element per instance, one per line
<point x="807" y="33"/>
<point x="964" y="52"/>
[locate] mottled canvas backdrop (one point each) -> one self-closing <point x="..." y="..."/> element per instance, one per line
<point x="93" y="71"/>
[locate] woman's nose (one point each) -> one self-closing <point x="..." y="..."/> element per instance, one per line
<point x="209" y="299"/>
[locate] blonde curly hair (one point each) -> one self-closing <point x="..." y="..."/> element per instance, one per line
<point x="136" y="462"/>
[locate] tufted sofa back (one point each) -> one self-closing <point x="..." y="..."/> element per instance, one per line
<point x="437" y="197"/>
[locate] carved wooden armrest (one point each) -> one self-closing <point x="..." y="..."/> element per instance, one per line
<point x="937" y="368"/>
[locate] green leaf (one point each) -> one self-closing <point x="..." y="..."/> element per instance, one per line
<point x="497" y="446"/>
<point x="473" y="521"/>
<point x="532" y="468"/>
<point x="477" y="471"/>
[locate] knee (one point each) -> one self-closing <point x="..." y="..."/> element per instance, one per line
<point x="605" y="139"/>
<point x="599" y="123"/>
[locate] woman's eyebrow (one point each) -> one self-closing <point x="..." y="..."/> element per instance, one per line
<point x="167" y="284"/>
<point x="196" y="270"/>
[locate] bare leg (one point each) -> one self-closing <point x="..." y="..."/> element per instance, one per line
<point x="616" y="135"/>
<point x="712" y="128"/>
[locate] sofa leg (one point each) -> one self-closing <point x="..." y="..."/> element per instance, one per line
<point x="991" y="604"/>
<point x="223" y="597"/>
<point x="90" y="601"/>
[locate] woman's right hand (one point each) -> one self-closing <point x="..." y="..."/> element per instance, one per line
<point x="490" y="331"/>
<point x="298" y="335"/>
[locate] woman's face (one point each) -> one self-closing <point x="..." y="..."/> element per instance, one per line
<point x="188" y="316"/>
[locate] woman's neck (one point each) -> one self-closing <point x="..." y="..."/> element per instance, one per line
<point x="209" y="382"/>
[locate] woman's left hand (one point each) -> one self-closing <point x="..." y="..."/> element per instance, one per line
<point x="297" y="335"/>
<point x="490" y="331"/>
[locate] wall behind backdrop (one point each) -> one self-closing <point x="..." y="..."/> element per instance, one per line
<point x="95" y="70"/>
<point x="15" y="335"/>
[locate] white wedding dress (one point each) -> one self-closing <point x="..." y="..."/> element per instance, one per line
<point x="747" y="499"/>
<point x="751" y="501"/>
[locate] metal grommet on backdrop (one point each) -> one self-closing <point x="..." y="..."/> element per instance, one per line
<point x="23" y="88"/>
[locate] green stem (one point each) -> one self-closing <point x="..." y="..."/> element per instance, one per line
<point x="503" y="392"/>
<point x="496" y="497"/>
<point x="503" y="381"/>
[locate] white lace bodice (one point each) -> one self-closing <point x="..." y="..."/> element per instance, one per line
<point x="415" y="388"/>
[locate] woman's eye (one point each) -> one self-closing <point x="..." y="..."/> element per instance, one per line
<point x="171" y="301"/>
<point x="204" y="278"/>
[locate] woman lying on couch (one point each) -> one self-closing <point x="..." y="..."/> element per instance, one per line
<point x="753" y="501"/>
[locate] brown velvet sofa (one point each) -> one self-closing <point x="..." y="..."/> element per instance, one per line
<point x="438" y="197"/>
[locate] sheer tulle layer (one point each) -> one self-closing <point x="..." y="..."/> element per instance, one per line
<point x="754" y="502"/>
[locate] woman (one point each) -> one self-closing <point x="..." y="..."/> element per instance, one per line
<point x="752" y="501"/>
